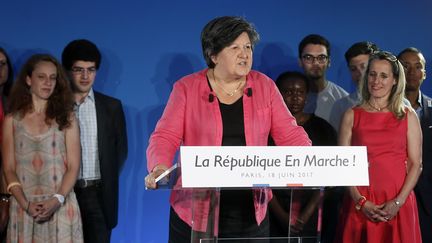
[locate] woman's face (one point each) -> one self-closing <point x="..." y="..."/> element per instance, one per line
<point x="43" y="80"/>
<point x="4" y="70"/>
<point x="235" y="60"/>
<point x="380" y="79"/>
<point x="294" y="93"/>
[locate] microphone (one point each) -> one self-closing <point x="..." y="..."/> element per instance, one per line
<point x="249" y="92"/>
<point x="211" y="97"/>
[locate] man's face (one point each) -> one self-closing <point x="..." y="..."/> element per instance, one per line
<point x="314" y="61"/>
<point x="83" y="74"/>
<point x="414" y="67"/>
<point x="357" y="67"/>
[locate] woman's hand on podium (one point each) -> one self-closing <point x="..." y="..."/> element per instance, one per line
<point x="150" y="179"/>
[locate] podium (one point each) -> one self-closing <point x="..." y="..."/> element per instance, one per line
<point x="281" y="224"/>
<point x="228" y="190"/>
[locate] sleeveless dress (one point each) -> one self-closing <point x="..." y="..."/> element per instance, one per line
<point x="40" y="165"/>
<point x="386" y="139"/>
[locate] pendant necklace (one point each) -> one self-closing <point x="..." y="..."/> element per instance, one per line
<point x="226" y="92"/>
<point x="377" y="108"/>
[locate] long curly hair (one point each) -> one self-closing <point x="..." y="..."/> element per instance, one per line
<point x="60" y="104"/>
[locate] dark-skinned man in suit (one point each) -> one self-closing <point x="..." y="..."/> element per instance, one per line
<point x="415" y="71"/>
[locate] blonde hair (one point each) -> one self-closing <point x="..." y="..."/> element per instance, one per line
<point x="397" y="93"/>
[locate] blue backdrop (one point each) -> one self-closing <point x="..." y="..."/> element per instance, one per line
<point x="148" y="45"/>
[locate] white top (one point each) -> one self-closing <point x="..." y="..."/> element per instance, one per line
<point x="340" y="106"/>
<point x="322" y="103"/>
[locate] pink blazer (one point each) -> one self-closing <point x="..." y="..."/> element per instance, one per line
<point x="191" y="119"/>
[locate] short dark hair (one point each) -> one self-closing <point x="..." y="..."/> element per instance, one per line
<point x="9" y="81"/>
<point x="360" y="48"/>
<point x="410" y="49"/>
<point x="80" y="50"/>
<point x="316" y="40"/>
<point x="290" y="76"/>
<point x="221" y="32"/>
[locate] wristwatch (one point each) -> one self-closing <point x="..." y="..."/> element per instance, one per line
<point x="60" y="198"/>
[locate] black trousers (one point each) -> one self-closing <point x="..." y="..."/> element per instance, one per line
<point x="95" y="228"/>
<point x="3" y="236"/>
<point x="425" y="223"/>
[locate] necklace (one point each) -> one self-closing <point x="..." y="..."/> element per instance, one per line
<point x="377" y="108"/>
<point x="227" y="92"/>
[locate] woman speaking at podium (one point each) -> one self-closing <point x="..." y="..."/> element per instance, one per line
<point x="226" y="104"/>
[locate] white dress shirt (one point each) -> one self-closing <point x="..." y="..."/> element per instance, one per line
<point x="86" y="114"/>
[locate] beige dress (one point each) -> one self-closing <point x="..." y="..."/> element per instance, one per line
<point x="40" y="165"/>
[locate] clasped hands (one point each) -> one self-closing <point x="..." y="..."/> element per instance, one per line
<point x="380" y="213"/>
<point x="297" y="227"/>
<point x="42" y="211"/>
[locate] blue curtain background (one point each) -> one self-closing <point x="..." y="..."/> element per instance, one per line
<point x="148" y="45"/>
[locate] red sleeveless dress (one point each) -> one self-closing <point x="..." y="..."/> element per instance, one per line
<point x="386" y="139"/>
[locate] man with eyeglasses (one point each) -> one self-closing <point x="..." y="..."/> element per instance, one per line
<point x="103" y="142"/>
<point x="415" y="73"/>
<point x="357" y="58"/>
<point x="314" y="58"/>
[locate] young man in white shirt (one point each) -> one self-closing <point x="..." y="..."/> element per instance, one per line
<point x="357" y="58"/>
<point x="103" y="142"/>
<point x="314" y="58"/>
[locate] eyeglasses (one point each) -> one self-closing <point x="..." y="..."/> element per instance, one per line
<point x="3" y="64"/>
<point x="309" y="59"/>
<point x="83" y="71"/>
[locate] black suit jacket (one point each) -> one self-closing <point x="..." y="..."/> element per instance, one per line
<point x="112" y="147"/>
<point x="423" y="188"/>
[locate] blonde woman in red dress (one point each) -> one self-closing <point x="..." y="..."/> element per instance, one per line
<point x="386" y="210"/>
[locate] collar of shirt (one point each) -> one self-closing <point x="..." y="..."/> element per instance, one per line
<point x="355" y="96"/>
<point x="419" y="99"/>
<point x="90" y="96"/>
<point x="419" y="110"/>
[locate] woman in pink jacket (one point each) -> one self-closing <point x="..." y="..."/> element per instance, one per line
<point x="226" y="104"/>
